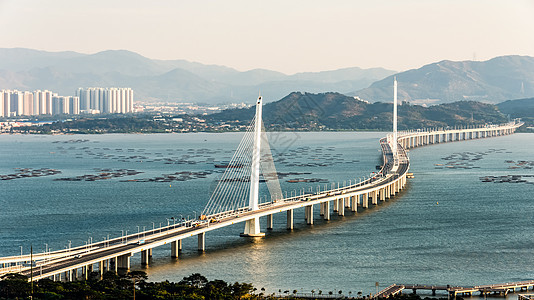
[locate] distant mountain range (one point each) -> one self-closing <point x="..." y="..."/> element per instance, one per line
<point x="492" y="81"/>
<point x="335" y="111"/>
<point x="166" y="80"/>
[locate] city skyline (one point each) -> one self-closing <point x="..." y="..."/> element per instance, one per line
<point x="95" y="100"/>
<point x="289" y="37"/>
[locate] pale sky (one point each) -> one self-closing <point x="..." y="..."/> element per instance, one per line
<point x="284" y="35"/>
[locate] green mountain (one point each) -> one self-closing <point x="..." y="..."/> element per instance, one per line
<point x="492" y="81"/>
<point x="334" y="111"/>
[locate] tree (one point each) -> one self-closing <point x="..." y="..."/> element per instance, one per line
<point x="241" y="289"/>
<point x="216" y="289"/>
<point x="14" y="285"/>
<point x="195" y="280"/>
<point x="137" y="277"/>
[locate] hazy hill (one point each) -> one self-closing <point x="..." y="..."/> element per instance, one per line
<point x="21" y="59"/>
<point x="492" y="81"/>
<point x="520" y="108"/>
<point x="337" y="111"/>
<point x="167" y="80"/>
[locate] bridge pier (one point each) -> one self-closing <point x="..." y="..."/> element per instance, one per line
<point x="309" y="214"/>
<point x="144" y="257"/>
<point x="107" y="265"/>
<point x="101" y="268"/>
<point x="269" y="222"/>
<point x="176" y="248"/>
<point x="289" y="225"/>
<point x="336" y="205"/>
<point x="201" y="242"/>
<point x="341" y="207"/>
<point x="374" y="197"/>
<point x="68" y="275"/>
<point x="88" y="270"/>
<point x="115" y="264"/>
<point x="326" y="210"/>
<point x="347" y="202"/>
<point x="355" y="199"/>
<point x="365" y="200"/>
<point x="321" y="209"/>
<point x="123" y="262"/>
<point x="252" y="228"/>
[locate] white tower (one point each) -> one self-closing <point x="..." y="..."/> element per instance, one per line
<point x="252" y="226"/>
<point x="394" y="142"/>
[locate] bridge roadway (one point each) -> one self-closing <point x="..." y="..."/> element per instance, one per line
<point x="500" y="288"/>
<point x="115" y="253"/>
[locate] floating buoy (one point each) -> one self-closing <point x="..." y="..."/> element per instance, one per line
<point x="437" y="203"/>
<point x="170" y="185"/>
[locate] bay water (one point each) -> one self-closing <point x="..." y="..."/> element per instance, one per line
<point x="453" y="224"/>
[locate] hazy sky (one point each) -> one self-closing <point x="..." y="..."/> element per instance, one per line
<point x="284" y="35"/>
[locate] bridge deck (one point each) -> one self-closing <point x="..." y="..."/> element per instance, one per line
<point x="394" y="170"/>
<point x="391" y="290"/>
<point x="500" y="288"/>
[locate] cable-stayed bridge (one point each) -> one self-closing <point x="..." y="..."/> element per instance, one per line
<point x="236" y="200"/>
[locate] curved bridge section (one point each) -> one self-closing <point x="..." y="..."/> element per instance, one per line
<point x="115" y="254"/>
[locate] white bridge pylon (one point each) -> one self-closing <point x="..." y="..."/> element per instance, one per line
<point x="252" y="226"/>
<point x="251" y="160"/>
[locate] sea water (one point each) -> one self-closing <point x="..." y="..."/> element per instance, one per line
<point x="447" y="226"/>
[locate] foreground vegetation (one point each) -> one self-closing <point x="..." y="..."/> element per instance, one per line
<point x="134" y="286"/>
<point x="129" y="286"/>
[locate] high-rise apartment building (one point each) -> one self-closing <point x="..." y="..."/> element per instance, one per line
<point x="27" y="103"/>
<point x="106" y="100"/>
